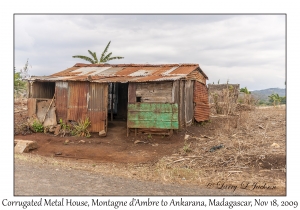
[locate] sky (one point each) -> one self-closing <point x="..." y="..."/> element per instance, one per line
<point x="242" y="49"/>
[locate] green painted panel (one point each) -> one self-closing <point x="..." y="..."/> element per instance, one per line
<point x="153" y="115"/>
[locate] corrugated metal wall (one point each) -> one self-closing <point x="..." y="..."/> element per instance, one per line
<point x="97" y="106"/>
<point x="61" y="99"/>
<point x="202" y="110"/>
<point x="77" y="100"/>
<point x="42" y="90"/>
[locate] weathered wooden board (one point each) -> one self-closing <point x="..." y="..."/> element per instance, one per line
<point x="155" y="92"/>
<point x="182" y="104"/>
<point x="152" y="115"/>
<point x="31" y="105"/>
<point x="189" y="105"/>
<point x="131" y="92"/>
<point x="44" y="111"/>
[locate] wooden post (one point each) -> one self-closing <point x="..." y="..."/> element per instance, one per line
<point x="111" y="102"/>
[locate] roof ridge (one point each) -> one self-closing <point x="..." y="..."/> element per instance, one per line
<point x="134" y="65"/>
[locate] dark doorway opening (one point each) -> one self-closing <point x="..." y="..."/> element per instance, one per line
<point x="117" y="101"/>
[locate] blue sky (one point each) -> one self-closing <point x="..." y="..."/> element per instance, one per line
<point x="245" y="49"/>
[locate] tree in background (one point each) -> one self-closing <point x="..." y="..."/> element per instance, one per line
<point x="275" y="98"/>
<point x="103" y="59"/>
<point x="19" y="84"/>
<point x="247" y="96"/>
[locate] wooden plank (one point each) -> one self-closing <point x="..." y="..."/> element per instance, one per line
<point x="132" y="93"/>
<point x="153" y="115"/>
<point x="182" y="104"/>
<point x="153" y="124"/>
<point x="31" y="106"/>
<point x="189" y="105"/>
<point x="155" y="92"/>
<point x="157" y="99"/>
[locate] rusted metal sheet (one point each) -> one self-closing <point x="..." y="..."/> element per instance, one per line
<point x="184" y="69"/>
<point x="106" y="73"/>
<point x="152" y="115"/>
<point x="31" y="106"/>
<point x="196" y="75"/>
<point x="201" y="110"/>
<point x="42" y="89"/>
<point x="61" y="100"/>
<point x="189" y="106"/>
<point x="97" y="106"/>
<point x="77" y="100"/>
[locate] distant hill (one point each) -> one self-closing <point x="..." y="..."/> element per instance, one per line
<point x="263" y="94"/>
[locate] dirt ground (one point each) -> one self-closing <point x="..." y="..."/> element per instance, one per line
<point x="249" y="147"/>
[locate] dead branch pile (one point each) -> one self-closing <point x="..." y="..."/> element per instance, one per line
<point x="223" y="101"/>
<point x="252" y="140"/>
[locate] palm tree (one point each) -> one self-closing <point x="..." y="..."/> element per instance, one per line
<point x="103" y="59"/>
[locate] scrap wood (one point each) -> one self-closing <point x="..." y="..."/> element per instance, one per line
<point x="195" y="156"/>
<point x="234" y="171"/>
<point x="48" y="108"/>
<point x="261" y="127"/>
<point x="175" y="161"/>
<point x="179" y="160"/>
<point x="204" y="136"/>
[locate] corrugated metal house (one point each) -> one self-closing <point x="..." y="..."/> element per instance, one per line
<point x="152" y="97"/>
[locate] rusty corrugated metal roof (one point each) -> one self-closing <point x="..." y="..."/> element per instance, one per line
<point x="103" y="73"/>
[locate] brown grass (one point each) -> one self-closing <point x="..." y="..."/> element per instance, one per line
<point x="247" y="155"/>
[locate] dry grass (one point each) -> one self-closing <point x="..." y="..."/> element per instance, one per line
<point x="247" y="155"/>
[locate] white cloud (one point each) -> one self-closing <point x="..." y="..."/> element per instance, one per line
<point x="230" y="43"/>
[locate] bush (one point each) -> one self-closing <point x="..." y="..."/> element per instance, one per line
<point x="81" y="128"/>
<point x="38" y="127"/>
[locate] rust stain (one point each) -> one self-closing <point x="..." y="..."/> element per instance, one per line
<point x="184" y="69"/>
<point x="124" y="73"/>
<point x="97" y="106"/>
<point x="77" y="102"/>
<point x="61" y="99"/>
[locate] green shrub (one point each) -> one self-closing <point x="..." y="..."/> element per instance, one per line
<point x="37" y="127"/>
<point x="82" y="128"/>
